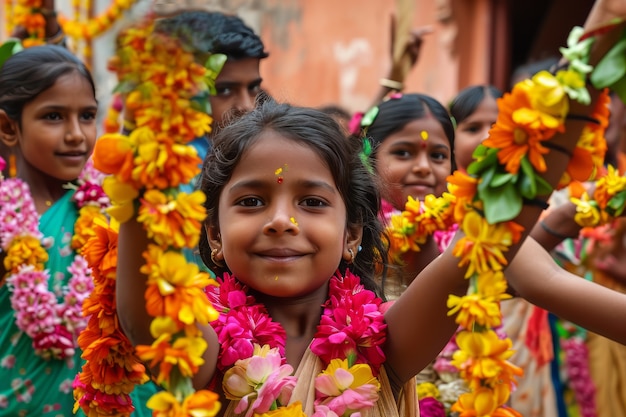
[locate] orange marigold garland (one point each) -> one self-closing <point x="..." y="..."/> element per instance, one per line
<point x="167" y="92"/>
<point x="505" y="172"/>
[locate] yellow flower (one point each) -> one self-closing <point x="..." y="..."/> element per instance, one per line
<point x="176" y="288"/>
<point x="587" y="214"/>
<point x="173" y="220"/>
<point x="292" y="410"/>
<point x="475" y="309"/>
<point x="483" y="245"/>
<point x="339" y="376"/>
<point x="25" y="250"/>
<point x="427" y="389"/>
<point x="168" y="351"/>
<point x="492" y="284"/>
<point x="482" y="358"/>
<point x="122" y="196"/>
<point x="485" y="401"/>
<point x="548" y="96"/>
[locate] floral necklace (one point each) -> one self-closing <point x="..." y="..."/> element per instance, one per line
<point x="52" y="325"/>
<point x="252" y="349"/>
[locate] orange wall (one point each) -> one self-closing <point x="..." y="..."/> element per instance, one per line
<point x="334" y="52"/>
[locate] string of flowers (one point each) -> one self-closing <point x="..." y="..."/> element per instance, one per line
<point x="167" y="91"/>
<point x="52" y="325"/>
<point x="607" y="202"/>
<point x="419" y="220"/>
<point x="504" y="174"/>
<point x="84" y="28"/>
<point x="252" y="357"/>
<point x="27" y="14"/>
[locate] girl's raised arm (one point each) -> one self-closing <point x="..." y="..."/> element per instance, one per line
<point x="419" y="322"/>
<point x="131" y="304"/>
<point x="540" y="280"/>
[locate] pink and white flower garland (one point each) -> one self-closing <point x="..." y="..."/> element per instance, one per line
<point x="252" y="349"/>
<point x="52" y="325"/>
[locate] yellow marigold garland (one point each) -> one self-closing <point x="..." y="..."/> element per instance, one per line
<point x="490" y="195"/>
<point x="164" y="89"/>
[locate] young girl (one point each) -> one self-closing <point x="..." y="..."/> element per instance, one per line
<point x="411" y="138"/>
<point x="474" y="110"/>
<point x="48" y="119"/>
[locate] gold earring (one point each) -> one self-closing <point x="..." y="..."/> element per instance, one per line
<point x="215" y="261"/>
<point x="351" y="255"/>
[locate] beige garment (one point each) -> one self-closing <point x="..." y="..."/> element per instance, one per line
<point x="607" y="359"/>
<point x="386" y="406"/>
<point x="534" y="395"/>
<point x="607" y="364"/>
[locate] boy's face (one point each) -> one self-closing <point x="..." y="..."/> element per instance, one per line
<point x="237" y="86"/>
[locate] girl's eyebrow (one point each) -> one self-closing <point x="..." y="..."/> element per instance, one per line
<point x="306" y="184"/>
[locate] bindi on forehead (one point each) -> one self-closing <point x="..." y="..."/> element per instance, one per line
<point x="279" y="173"/>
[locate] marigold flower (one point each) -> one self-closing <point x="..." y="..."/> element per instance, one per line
<point x="25" y="250"/>
<point x="519" y="131"/>
<point x="292" y="410"/>
<point x="485" y="401"/>
<point x="83" y="229"/>
<point x="475" y="309"/>
<point x="173" y="220"/>
<point x="483" y="246"/>
<point x="176" y="288"/>
<point x="483" y="358"/>
<point x="113" y="154"/>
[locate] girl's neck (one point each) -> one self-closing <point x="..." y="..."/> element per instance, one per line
<point x="299" y="316"/>
<point x="44" y="189"/>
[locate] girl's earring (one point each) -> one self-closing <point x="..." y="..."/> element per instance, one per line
<point x="352" y="256"/>
<point x="216" y="261"/>
<point x="12" y="165"/>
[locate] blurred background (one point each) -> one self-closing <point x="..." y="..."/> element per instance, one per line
<point x="334" y="52"/>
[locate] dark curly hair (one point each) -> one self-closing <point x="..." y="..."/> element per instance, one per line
<point x="214" y="32"/>
<point x="322" y="134"/>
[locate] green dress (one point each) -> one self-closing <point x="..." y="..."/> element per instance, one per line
<point x="30" y="385"/>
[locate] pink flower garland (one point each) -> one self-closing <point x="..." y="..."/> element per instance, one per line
<point x="52" y="325"/>
<point x="252" y="347"/>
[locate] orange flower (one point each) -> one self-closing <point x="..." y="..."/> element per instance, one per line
<point x="176" y="288"/>
<point x="518" y="132"/>
<point x="475" y="309"/>
<point x="83" y="229"/>
<point x="463" y="187"/>
<point x="485" y="401"/>
<point x="113" y="154"/>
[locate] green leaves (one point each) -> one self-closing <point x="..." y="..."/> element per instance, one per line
<point x="8" y="49"/>
<point x="611" y="70"/>
<point x="502" y="192"/>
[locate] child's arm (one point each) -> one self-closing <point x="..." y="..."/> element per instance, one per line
<point x="131" y="305"/>
<point x="418" y="322"/>
<point x="540" y="280"/>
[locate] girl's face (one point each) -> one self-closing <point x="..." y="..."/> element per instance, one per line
<point x="414" y="161"/>
<point x="58" y="129"/>
<point x="473" y="130"/>
<point x="282" y="221"/>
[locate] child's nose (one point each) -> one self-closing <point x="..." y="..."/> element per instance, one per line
<point x="280" y="222"/>
<point x="421" y="164"/>
<point x="74" y="131"/>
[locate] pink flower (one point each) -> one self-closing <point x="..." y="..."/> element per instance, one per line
<point x="351" y="323"/>
<point x="242" y="323"/>
<point x="258" y="381"/>
<point x="431" y="407"/>
<point x="354" y="127"/>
